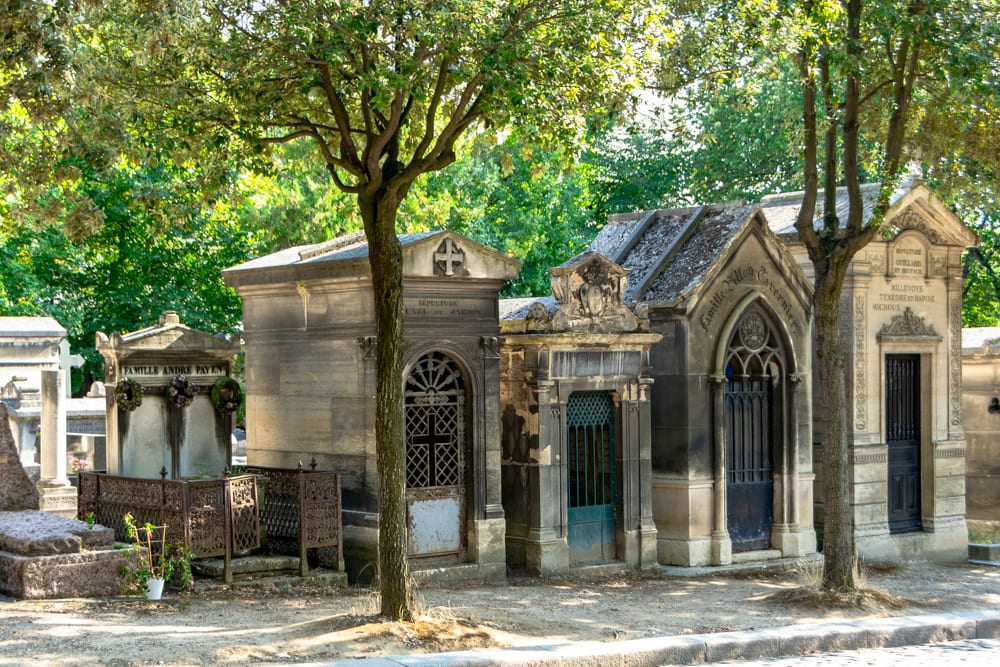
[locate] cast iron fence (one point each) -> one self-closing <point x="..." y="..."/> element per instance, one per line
<point x="300" y="510"/>
<point x="211" y="517"/>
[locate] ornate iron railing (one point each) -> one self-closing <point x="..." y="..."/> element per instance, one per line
<point x="211" y="517"/>
<point x="301" y="510"/>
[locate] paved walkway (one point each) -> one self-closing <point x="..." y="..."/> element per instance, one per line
<point x="712" y="648"/>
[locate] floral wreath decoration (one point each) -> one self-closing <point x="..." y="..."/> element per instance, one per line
<point x="128" y="394"/>
<point x="181" y="391"/>
<point x="227" y="397"/>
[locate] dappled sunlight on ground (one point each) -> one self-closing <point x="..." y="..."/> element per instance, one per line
<point x="235" y="627"/>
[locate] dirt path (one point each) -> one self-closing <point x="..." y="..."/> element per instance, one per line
<point x="240" y="626"/>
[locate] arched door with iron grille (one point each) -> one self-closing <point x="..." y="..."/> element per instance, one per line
<point x="754" y="368"/>
<point x="434" y="399"/>
<point x="590" y="462"/>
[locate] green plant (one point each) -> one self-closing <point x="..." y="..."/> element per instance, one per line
<point x="158" y="559"/>
<point x="91" y="521"/>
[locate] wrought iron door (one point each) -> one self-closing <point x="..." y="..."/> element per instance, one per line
<point x="749" y="469"/>
<point x="435" y="452"/>
<point x="902" y="425"/>
<point x="752" y="425"/>
<point x="590" y="448"/>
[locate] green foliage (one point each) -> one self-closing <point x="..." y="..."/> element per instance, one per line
<point x="159" y="559"/>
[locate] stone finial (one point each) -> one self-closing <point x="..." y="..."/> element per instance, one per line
<point x="169" y="317"/>
<point x="16" y="490"/>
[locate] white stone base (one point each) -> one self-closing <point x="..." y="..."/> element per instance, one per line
<point x="56" y="498"/>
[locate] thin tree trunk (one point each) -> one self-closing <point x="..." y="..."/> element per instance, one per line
<point x="838" y="542"/>
<point x="385" y="258"/>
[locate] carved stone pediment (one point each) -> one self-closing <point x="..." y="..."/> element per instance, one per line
<point x="589" y="291"/>
<point x="908" y="324"/>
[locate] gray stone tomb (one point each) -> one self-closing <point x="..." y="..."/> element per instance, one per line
<point x="189" y="441"/>
<point x="981" y="422"/>
<point x="902" y="305"/>
<point x="730" y="412"/>
<point x="308" y="315"/>
<point x="574" y="386"/>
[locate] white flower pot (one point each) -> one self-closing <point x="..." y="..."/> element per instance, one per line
<point x="154" y="588"/>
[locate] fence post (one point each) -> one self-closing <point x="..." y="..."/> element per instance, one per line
<point x="303" y="553"/>
<point x="227" y="570"/>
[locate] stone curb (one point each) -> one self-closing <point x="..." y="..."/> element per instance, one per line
<point x="699" y="649"/>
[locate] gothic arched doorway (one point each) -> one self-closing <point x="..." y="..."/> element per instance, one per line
<point x="753" y="413"/>
<point x="435" y="403"/>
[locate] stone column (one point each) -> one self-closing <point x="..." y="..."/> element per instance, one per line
<point x="722" y="545"/>
<point x="56" y="494"/>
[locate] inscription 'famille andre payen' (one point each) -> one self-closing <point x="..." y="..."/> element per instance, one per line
<point x="182" y="369"/>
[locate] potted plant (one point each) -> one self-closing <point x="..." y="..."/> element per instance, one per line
<point x="159" y="561"/>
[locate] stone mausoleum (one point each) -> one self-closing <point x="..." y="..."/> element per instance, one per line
<point x="902" y="300"/>
<point x="310" y="372"/>
<point x="981" y="418"/>
<point x="574" y="386"/>
<point x="730" y="404"/>
<point x="185" y="438"/>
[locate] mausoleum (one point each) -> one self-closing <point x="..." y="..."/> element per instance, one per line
<point x="163" y="383"/>
<point x="902" y="308"/>
<point x="310" y="363"/>
<point x="574" y="386"/>
<point x="730" y="404"/>
<point x="981" y="421"/>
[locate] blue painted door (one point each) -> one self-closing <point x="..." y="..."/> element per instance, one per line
<point x="590" y="449"/>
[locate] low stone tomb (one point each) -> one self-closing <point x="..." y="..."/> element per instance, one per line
<point x="47" y="556"/>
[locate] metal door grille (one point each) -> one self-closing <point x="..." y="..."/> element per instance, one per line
<point x="434" y="397"/>
<point x="754" y="368"/>
<point x="590" y="424"/>
<point x="435" y="418"/>
<point x="748" y="410"/>
<point x="902" y="425"/>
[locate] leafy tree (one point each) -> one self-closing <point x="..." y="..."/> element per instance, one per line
<point x="384" y="90"/>
<point x="870" y="71"/>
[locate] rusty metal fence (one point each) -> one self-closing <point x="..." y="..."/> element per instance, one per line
<point x="300" y="510"/>
<point x="211" y="517"/>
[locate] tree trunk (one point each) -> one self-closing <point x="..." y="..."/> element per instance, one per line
<point x="385" y="257"/>
<point x="831" y="353"/>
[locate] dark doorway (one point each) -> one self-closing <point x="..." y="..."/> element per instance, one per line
<point x="749" y="468"/>
<point x="590" y="447"/>
<point x="753" y="429"/>
<point x="902" y="425"/>
<point x="435" y="458"/>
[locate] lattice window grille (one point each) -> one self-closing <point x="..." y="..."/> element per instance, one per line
<point x="435" y="423"/>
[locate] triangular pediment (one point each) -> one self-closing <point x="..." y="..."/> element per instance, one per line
<point x="921" y="211"/>
<point x="167" y="335"/>
<point x="439" y="254"/>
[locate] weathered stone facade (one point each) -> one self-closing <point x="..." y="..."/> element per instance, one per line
<point x="902" y="318"/>
<point x="981" y="422"/>
<point x="733" y="310"/>
<point x="574" y="386"/>
<point x="310" y="343"/>
<point x="187" y="441"/>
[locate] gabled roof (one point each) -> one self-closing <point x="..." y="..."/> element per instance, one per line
<point x="33" y="327"/>
<point x="348" y="256"/>
<point x="912" y="206"/>
<point x="167" y="334"/>
<point x="671" y="252"/>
